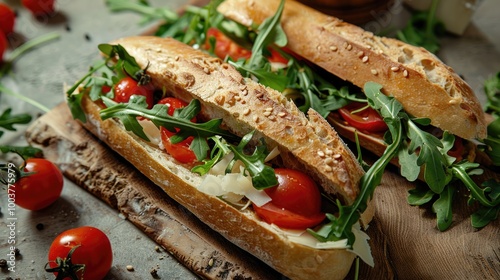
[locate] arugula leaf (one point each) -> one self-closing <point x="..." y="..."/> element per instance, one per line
<point x="443" y="208"/>
<point x="137" y="106"/>
<point x="419" y="196"/>
<point x="263" y="175"/>
<point x="25" y="151"/>
<point x="8" y="120"/>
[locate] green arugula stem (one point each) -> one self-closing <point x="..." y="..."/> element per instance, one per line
<point x="31" y="44"/>
<point x="475" y="190"/>
<point x="154" y="13"/>
<point x="24" y="98"/>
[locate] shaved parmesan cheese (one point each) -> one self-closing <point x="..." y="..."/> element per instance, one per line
<point x="274" y="153"/>
<point x="361" y="246"/>
<point x="151" y="131"/>
<point x="229" y="185"/>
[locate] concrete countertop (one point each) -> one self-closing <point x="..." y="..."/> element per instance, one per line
<point x="41" y="74"/>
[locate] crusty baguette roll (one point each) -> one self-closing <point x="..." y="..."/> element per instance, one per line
<point x="419" y="80"/>
<point x="308" y="144"/>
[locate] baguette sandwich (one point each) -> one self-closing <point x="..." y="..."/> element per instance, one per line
<point x="245" y="142"/>
<point x="438" y="121"/>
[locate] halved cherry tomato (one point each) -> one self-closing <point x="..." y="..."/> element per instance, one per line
<point x="367" y="120"/>
<point x="296" y="201"/>
<point x="39" y="7"/>
<point x="128" y="86"/>
<point x="91" y="249"/>
<point x="180" y="151"/>
<point x="7" y="19"/>
<point x="39" y="189"/>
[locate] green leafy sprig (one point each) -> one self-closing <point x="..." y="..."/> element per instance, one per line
<point x="417" y="150"/>
<point x="492" y="141"/>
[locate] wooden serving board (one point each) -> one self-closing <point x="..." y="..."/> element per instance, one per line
<point x="404" y="240"/>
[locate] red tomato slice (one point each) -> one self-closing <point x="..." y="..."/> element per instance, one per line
<point x="180" y="151"/>
<point x="366" y="120"/>
<point x="281" y="217"/>
<point x="296" y="201"/>
<point x="224" y="46"/>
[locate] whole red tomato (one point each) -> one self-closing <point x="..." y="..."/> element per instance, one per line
<point x="296" y="201"/>
<point x="3" y="45"/>
<point x="41" y="188"/>
<point x="82" y="253"/>
<point x="39" y="7"/>
<point x="7" y="19"/>
<point x="128" y="86"/>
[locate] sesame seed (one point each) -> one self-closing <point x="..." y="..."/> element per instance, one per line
<point x="259" y="95"/>
<point x="237" y="97"/>
<point x="269" y="109"/>
<point x="177" y="58"/>
<point x="256" y="119"/>
<point x="267" y="113"/>
<point x="328" y="168"/>
<point x="374" y="71"/>
<point x="329" y="152"/>
<point x="211" y="262"/>
<point x="272" y="118"/>
<point x="360" y="53"/>
<point x="321" y="153"/>
<point x="246" y="112"/>
<point x="349" y="47"/>
<point x="337" y="156"/>
<point x="206" y="70"/>
<point x="281" y="114"/>
<point x="329" y="161"/>
<point x="333" y="48"/>
<point x="365" y="59"/>
<point x="130" y="268"/>
<point x="405" y="73"/>
<point x="453" y="102"/>
<point x="244" y="92"/>
<point x="394" y="69"/>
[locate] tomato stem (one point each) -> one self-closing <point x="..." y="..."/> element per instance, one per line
<point x="65" y="268"/>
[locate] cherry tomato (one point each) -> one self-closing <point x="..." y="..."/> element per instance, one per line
<point x="91" y="248"/>
<point x="296" y="201"/>
<point x="40" y="189"/>
<point x="3" y="46"/>
<point x="225" y="46"/>
<point x="7" y="19"/>
<point x="39" y="7"/>
<point x="366" y="120"/>
<point x="127" y="87"/>
<point x="180" y="151"/>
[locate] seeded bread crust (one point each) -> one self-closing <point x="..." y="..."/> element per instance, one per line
<point x="244" y="106"/>
<point x="419" y="80"/>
